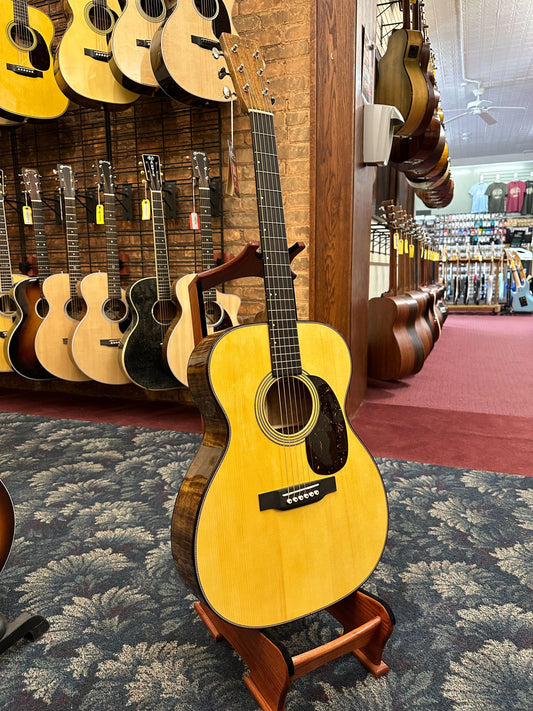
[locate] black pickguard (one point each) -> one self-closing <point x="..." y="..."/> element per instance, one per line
<point x="40" y="56"/>
<point x="142" y="346"/>
<point x="222" y="22"/>
<point x="327" y="445"/>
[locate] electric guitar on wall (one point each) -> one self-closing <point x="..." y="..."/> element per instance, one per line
<point x="28" y="294"/>
<point x="192" y="31"/>
<point x="283" y="511"/>
<point x="7" y="524"/>
<point x="82" y="58"/>
<point x="28" y="85"/>
<point x="66" y="307"/>
<point x="151" y="303"/>
<point x="8" y="308"/>
<point x="220" y="309"/>
<point x="97" y="336"/>
<point x="521" y="296"/>
<point x="130" y="44"/>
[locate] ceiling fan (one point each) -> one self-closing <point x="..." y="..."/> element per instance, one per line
<point x="481" y="107"/>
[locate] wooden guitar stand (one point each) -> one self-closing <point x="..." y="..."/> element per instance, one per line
<point x="25" y="625"/>
<point x="367" y="624"/>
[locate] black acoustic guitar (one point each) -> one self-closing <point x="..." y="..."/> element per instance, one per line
<point x="151" y="304"/>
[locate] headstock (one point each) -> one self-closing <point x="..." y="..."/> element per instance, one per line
<point x="152" y="171"/>
<point x="200" y="166"/>
<point x="32" y="183"/>
<point x="66" y="179"/>
<point x="105" y="172"/>
<point x="246" y="68"/>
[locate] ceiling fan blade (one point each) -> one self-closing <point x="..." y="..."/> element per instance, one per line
<point x="486" y="117"/>
<point x="515" y="108"/>
<point x="453" y="118"/>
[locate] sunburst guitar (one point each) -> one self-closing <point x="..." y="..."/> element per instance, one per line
<point x="7" y="525"/>
<point x="28" y="85"/>
<point x="8" y="307"/>
<point x="185" y="52"/>
<point x="220" y="310"/>
<point x="97" y="337"/>
<point x="65" y="306"/>
<point x="283" y="510"/>
<point x="82" y="59"/>
<point x="130" y="44"/>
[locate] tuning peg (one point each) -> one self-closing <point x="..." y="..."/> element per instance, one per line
<point x="222" y="72"/>
<point x="227" y="92"/>
<point x="215" y="53"/>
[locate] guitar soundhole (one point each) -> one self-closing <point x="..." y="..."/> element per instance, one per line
<point x="42" y="308"/>
<point x="22" y="36"/>
<point x="152" y="8"/>
<point x="75" y="308"/>
<point x="213" y="313"/>
<point x="207" y="8"/>
<point x="164" y="312"/>
<point x="7" y="306"/>
<point x="115" y="309"/>
<point x="100" y="18"/>
<point x="289" y="405"/>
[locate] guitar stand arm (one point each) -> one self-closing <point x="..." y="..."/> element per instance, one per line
<point x="26" y="625"/>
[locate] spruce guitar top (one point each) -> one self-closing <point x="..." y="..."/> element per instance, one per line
<point x="283" y="511"/>
<point x="220" y="310"/>
<point x="28" y="85"/>
<point x="82" y="59"/>
<point x="151" y="303"/>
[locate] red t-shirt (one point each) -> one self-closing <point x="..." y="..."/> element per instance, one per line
<point x="515" y="195"/>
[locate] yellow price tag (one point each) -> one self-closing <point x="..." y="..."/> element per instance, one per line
<point x="400" y="246"/>
<point x="395" y="237"/>
<point x="145" y="209"/>
<point x="26" y="215"/>
<point x="411" y="251"/>
<point x="100" y="214"/>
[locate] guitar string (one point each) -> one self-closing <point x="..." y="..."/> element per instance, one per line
<point x="281" y="283"/>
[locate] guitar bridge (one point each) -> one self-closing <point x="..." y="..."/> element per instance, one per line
<point x="143" y="43"/>
<point x="97" y="54"/>
<point x="24" y="71"/>
<point x="206" y="43"/>
<point x="111" y="342"/>
<point x="292" y="497"/>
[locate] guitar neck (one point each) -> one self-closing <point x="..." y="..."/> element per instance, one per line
<point x="206" y="232"/>
<point x="279" y="287"/>
<point x="73" y="249"/>
<point x="160" y="246"/>
<point x="20" y="12"/>
<point x="40" y="240"/>
<point x="6" y="277"/>
<point x="113" y="268"/>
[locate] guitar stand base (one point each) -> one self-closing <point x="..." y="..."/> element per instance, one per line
<point x="25" y="625"/>
<point x="367" y="624"/>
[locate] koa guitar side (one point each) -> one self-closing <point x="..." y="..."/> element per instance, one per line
<point x="283" y="511"/>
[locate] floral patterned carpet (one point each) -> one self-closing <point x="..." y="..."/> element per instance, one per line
<point x="92" y="554"/>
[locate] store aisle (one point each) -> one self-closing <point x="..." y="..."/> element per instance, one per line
<point x="470" y="406"/>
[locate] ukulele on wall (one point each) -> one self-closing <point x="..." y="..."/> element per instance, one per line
<point x="282" y="511"/>
<point x="97" y="336"/>
<point x="192" y="31"/>
<point x="220" y="309"/>
<point x="28" y="85"/>
<point x="65" y="306"/>
<point x="151" y="304"/>
<point x="130" y="44"/>
<point x="82" y="58"/>
<point x="8" y="308"/>
<point x="28" y="294"/>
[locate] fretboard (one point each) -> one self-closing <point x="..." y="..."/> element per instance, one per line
<point x="40" y="240"/>
<point x="6" y="277"/>
<point x="206" y="231"/>
<point x="279" y="287"/>
<point x="113" y="268"/>
<point x="73" y="249"/>
<point x="20" y="12"/>
<point x="160" y="246"/>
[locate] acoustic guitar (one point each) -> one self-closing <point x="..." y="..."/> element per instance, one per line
<point x="31" y="305"/>
<point x="82" y="58"/>
<point x="8" y="307"/>
<point x="28" y="86"/>
<point x="283" y="510"/>
<point x="95" y="341"/>
<point x="151" y="302"/>
<point x="65" y="306"/>
<point x="130" y="44"/>
<point x="220" y="310"/>
<point x="7" y="524"/>
<point x="192" y="31"/>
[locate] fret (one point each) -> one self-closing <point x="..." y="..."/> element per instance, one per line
<point x="43" y="266"/>
<point x="160" y="246"/>
<point x="73" y="257"/>
<point x="20" y="12"/>
<point x="6" y="276"/>
<point x="113" y="268"/>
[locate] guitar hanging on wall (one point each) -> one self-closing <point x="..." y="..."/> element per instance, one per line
<point x="7" y="525"/>
<point x="220" y="310"/>
<point x="82" y="58"/>
<point x="28" y="294"/>
<point x="28" y="86"/>
<point x="283" y="511"/>
<point x="97" y="336"/>
<point x="192" y="30"/>
<point x="152" y="306"/>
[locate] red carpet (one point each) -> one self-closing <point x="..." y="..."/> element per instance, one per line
<point x="471" y="404"/>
